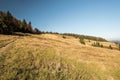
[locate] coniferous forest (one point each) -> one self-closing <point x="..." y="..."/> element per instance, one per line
<point x="9" y="24"/>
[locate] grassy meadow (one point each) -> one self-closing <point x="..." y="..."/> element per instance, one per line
<point x="52" y="57"/>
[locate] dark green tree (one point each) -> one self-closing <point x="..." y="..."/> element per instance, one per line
<point x="9" y="15"/>
<point x="8" y="22"/>
<point x="23" y="25"/>
<point x="29" y="27"/>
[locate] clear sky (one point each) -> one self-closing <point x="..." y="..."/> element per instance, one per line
<point x="89" y="17"/>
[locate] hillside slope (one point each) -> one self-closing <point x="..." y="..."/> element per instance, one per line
<point x="52" y="57"/>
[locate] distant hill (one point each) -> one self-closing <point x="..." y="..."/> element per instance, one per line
<point x="86" y="37"/>
<point x="9" y="24"/>
<point x="79" y="36"/>
<point x="116" y="41"/>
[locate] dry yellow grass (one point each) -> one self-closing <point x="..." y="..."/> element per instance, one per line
<point x="70" y="48"/>
<point x="101" y="63"/>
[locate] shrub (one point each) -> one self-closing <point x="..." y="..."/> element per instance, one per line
<point x="63" y="37"/>
<point x="110" y="47"/>
<point x="97" y="44"/>
<point x="119" y="47"/>
<point x="101" y="45"/>
<point x="82" y="41"/>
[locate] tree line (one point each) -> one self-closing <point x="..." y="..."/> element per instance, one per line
<point x="85" y="37"/>
<point x="9" y="24"/>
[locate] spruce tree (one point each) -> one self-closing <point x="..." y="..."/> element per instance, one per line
<point x="23" y="25"/>
<point x="9" y="15"/>
<point x="29" y="27"/>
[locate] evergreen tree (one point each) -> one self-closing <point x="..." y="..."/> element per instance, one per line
<point x="29" y="27"/>
<point x="8" y="29"/>
<point x="9" y="15"/>
<point x="9" y="24"/>
<point x="23" y="25"/>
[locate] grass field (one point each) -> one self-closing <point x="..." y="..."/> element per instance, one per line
<point x="52" y="57"/>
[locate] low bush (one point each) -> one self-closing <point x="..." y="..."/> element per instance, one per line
<point x="82" y="41"/>
<point x="97" y="44"/>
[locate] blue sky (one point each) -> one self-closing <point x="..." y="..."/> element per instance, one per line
<point x="89" y="17"/>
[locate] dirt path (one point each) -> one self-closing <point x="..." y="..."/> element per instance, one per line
<point x="6" y="45"/>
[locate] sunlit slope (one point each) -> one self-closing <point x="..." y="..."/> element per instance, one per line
<point x="52" y="57"/>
